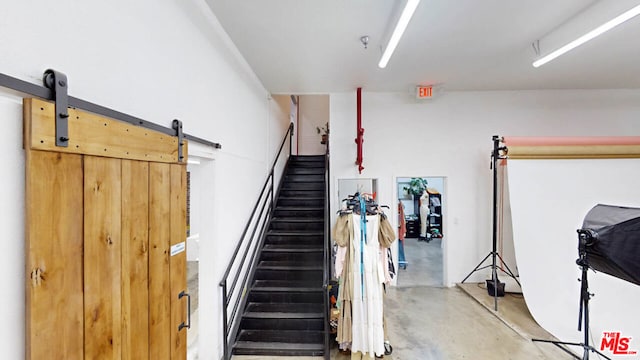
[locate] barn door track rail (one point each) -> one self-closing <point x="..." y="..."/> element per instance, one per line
<point x="56" y="89"/>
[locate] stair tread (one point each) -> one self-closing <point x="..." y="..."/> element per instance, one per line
<point x="286" y="289"/>
<point x="297" y="219"/>
<point x="286" y="306"/>
<point x="299" y="208"/>
<point x="283" y="315"/>
<point x="294" y="233"/>
<point x="305" y="171"/>
<point x="292" y="284"/>
<point x="289" y="267"/>
<point x="292" y="248"/>
<point x="278" y="346"/>
<point x="305" y="193"/>
<point x="302" y="197"/>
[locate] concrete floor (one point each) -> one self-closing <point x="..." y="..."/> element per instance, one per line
<point x="429" y="322"/>
<point x="192" y="332"/>
<point x="424" y="263"/>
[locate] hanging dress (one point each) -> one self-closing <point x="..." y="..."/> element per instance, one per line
<point x="368" y="276"/>
<point x="360" y="325"/>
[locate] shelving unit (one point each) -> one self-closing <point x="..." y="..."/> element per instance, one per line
<point x="413" y="228"/>
<point x="434" y="228"/>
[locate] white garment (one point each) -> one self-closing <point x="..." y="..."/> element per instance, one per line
<point x="367" y="304"/>
<point x="424" y="214"/>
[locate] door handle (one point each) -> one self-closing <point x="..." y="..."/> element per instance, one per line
<point x="188" y="325"/>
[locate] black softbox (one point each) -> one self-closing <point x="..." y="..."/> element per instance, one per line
<point x="612" y="239"/>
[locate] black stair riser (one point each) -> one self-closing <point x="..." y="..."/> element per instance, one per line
<point x="301" y="248"/>
<point x="304" y="178"/>
<point x="316" y="157"/>
<point x="293" y="167"/>
<point x="305" y="170"/>
<point x="290" y="307"/>
<point x="297" y="240"/>
<point x="300" y="202"/>
<point x="283" y="324"/>
<point x="239" y="350"/>
<point x="260" y="285"/>
<point x="281" y="336"/>
<point x="299" y="275"/>
<point x="296" y="226"/>
<point x="315" y="213"/>
<point x="311" y="258"/>
<point x="307" y="162"/>
<point x="302" y="193"/>
<point x="286" y="297"/>
<point x="303" y="186"/>
<point x="289" y="265"/>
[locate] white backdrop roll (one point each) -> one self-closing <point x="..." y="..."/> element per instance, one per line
<point x="549" y="200"/>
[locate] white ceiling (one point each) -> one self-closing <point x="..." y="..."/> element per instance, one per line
<point x="311" y="46"/>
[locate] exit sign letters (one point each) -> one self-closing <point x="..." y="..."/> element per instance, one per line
<point x="424" y="92"/>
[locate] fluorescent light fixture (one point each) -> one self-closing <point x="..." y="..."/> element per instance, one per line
<point x="589" y="36"/>
<point x="401" y="26"/>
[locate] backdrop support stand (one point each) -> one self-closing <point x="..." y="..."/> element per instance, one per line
<point x="585" y="296"/>
<point x="495" y="156"/>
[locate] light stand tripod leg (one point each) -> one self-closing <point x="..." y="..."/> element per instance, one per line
<point x="477" y="267"/>
<point x="559" y="345"/>
<point x="508" y="272"/>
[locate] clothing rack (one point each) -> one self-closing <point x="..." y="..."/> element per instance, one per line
<point x="353" y="204"/>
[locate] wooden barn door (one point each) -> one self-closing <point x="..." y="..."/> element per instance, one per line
<point x="105" y="240"/>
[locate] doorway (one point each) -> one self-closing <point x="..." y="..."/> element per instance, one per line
<point x="200" y="171"/>
<point x="420" y="209"/>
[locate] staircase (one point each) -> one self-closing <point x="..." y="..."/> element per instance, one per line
<point x="284" y="315"/>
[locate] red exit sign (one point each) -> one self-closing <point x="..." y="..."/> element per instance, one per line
<point x="424" y="92"/>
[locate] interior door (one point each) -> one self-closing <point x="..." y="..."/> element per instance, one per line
<point x="105" y="240"/>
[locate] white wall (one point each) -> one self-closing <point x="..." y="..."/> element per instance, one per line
<point x="314" y="113"/>
<point x="157" y="60"/>
<point x="456" y="131"/>
<point x="280" y="118"/>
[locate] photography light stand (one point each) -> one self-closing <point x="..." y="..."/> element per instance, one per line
<point x="499" y="152"/>
<point x="586" y="238"/>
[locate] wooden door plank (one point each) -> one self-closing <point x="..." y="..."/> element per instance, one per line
<point x="54" y="298"/>
<point x="97" y="135"/>
<point x="159" y="247"/>
<point x="135" y="260"/>
<point x="102" y="258"/>
<point x="178" y="261"/>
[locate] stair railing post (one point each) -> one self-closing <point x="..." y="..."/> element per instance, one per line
<point x="271" y="207"/>
<point x="225" y="328"/>
<point x="290" y="138"/>
<point x="327" y="254"/>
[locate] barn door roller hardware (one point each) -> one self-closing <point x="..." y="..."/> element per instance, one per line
<point x="53" y="90"/>
<point x="57" y="82"/>
<point x="177" y="126"/>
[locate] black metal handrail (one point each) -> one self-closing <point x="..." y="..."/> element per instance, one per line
<point x="256" y="226"/>
<point x="327" y="254"/>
